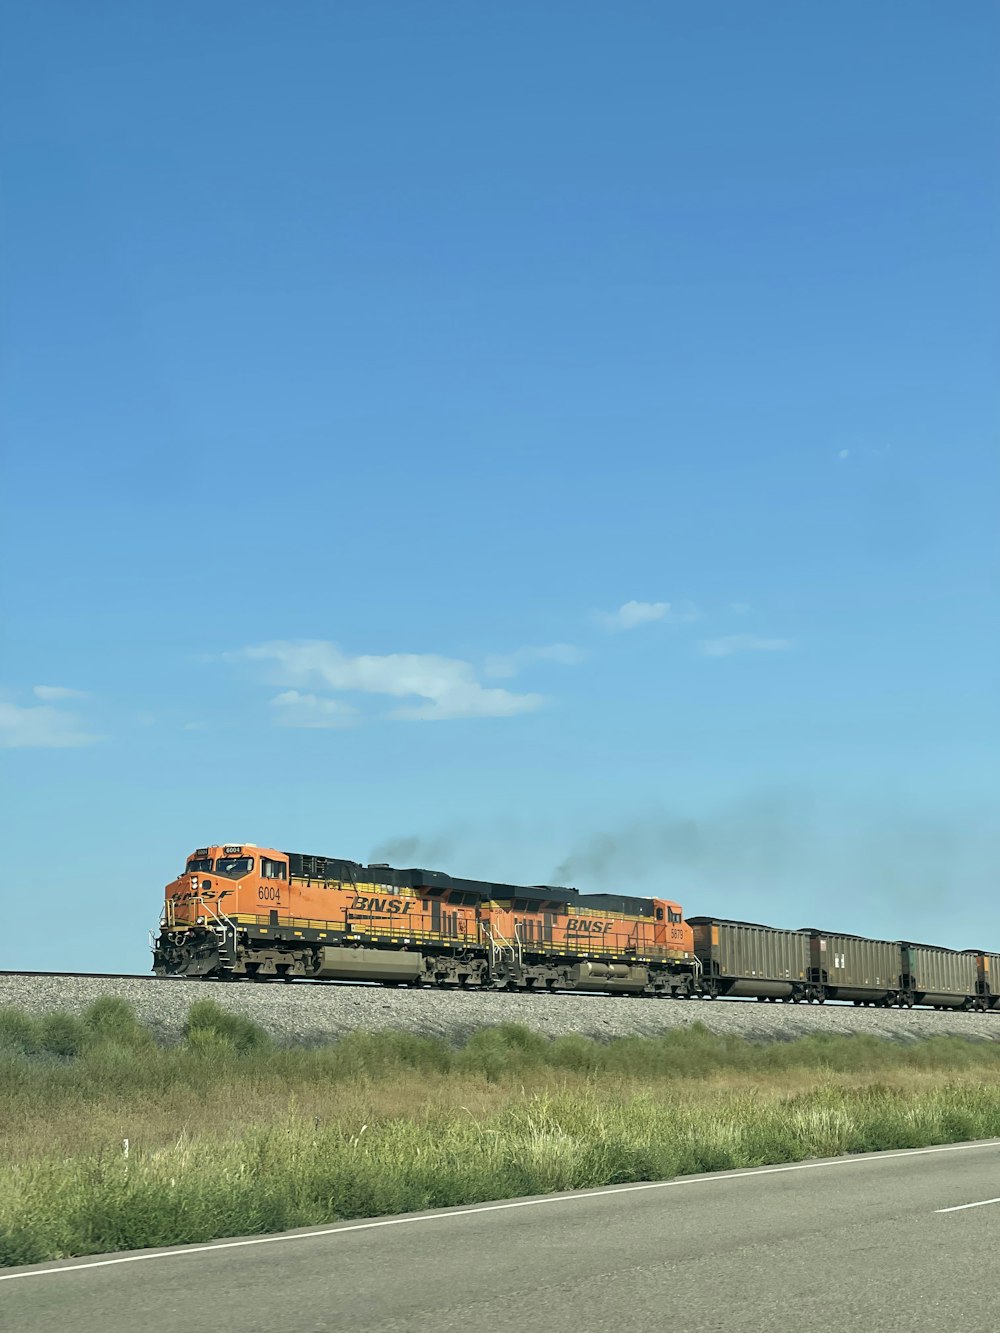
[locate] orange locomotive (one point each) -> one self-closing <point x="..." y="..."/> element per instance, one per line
<point x="240" y="910"/>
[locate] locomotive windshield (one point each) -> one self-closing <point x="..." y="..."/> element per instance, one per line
<point x="233" y="866"/>
<point x="200" y="863"/>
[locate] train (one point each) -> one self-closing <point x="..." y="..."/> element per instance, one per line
<point x="239" y="911"/>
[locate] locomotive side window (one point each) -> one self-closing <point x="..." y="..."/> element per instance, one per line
<point x="659" y="914"/>
<point x="675" y="917"/>
<point x="273" y="869"/>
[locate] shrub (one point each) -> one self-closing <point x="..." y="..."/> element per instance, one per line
<point x="18" y="1031"/>
<point x="506" y="1049"/>
<point x="209" y="1026"/>
<point x="111" y="1019"/>
<point x="61" y="1034"/>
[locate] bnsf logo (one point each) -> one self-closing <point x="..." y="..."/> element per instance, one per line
<point x="394" y="906"/>
<point x="576" y="924"/>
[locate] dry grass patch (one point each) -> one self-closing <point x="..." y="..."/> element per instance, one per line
<point x="228" y="1134"/>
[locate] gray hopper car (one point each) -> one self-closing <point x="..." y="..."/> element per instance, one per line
<point x="942" y="978"/>
<point x="851" y="967"/>
<point x="741" y="959"/>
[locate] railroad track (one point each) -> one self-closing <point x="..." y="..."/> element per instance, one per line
<point x="93" y="976"/>
<point x="308" y="981"/>
<point x="304" y="981"/>
<point x="151" y="976"/>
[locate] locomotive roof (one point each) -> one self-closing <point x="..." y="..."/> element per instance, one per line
<point x="616" y="902"/>
<point x="330" y="867"/>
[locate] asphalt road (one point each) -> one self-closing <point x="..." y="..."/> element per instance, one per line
<point x="884" y="1243"/>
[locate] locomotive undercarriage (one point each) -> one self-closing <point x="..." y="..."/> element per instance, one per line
<point x="214" y="954"/>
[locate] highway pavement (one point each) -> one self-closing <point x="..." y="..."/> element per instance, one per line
<point x="902" y="1242"/>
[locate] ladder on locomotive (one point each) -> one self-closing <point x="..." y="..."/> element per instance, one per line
<point x="503" y="950"/>
<point x="226" y="931"/>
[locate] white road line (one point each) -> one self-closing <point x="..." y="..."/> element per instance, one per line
<point x="959" y="1207"/>
<point x="444" y="1214"/>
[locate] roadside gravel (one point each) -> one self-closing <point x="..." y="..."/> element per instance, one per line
<point x="311" y="1014"/>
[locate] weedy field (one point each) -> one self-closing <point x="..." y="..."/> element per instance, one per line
<point x="109" y="1141"/>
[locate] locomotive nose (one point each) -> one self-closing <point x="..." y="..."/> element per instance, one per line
<point x="183" y="898"/>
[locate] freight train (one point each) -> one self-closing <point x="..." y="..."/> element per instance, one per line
<point x="239" y="911"/>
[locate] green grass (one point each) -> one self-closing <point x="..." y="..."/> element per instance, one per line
<point x="228" y="1134"/>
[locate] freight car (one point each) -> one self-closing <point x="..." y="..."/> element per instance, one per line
<point x="851" y="967"/>
<point x="741" y="959"/>
<point x="938" y="977"/>
<point x="239" y="911"/>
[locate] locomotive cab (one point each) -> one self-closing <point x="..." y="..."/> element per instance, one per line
<point x="219" y="881"/>
<point x="671" y="930"/>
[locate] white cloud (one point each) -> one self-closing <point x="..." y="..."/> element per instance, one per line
<point x="632" y="614"/>
<point x="445" y="686"/>
<point x="309" y="710"/>
<point x="40" y="727"/>
<point x="53" y="693"/>
<point x="731" y="644"/>
<point x="509" y="664"/>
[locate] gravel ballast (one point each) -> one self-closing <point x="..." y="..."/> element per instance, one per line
<point x="311" y="1014"/>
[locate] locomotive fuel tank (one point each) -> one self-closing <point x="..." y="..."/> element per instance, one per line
<point x="609" y="976"/>
<point x="339" y="963"/>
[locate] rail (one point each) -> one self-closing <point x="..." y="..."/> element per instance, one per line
<point x="840" y="1006"/>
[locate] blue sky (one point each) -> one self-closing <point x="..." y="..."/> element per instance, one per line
<point x="536" y="441"/>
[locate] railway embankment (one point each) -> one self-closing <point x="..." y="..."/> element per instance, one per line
<point x="296" y="1013"/>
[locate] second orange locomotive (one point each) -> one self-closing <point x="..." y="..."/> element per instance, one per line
<point x="239" y="910"/>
